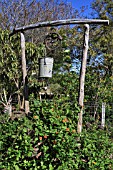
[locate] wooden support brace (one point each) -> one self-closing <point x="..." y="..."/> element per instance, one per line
<point x="60" y="22"/>
<point x="82" y="77"/>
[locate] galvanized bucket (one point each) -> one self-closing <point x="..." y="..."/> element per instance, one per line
<point x="45" y="67"/>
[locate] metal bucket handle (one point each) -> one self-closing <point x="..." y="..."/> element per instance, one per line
<point x="45" y="57"/>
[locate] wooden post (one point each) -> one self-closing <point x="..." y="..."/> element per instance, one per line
<point x="103" y="115"/>
<point x="24" y="71"/>
<point x="82" y="77"/>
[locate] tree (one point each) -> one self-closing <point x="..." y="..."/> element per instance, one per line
<point x="10" y="65"/>
<point x="99" y="78"/>
<point x="102" y="36"/>
<point x="28" y="12"/>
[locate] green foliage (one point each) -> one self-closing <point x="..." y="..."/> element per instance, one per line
<point x="98" y="87"/>
<point x="10" y="63"/>
<point x="96" y="149"/>
<point x="49" y="140"/>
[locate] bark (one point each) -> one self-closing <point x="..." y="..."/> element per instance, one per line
<point x="60" y="22"/>
<point x="82" y="77"/>
<point x="24" y="71"/>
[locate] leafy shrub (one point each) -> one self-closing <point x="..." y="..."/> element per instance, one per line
<point x="96" y="149"/>
<point x="49" y="141"/>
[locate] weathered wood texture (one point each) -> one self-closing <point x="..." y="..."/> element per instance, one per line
<point x="60" y="22"/>
<point x="103" y="115"/>
<point x="82" y="77"/>
<point x="24" y="71"/>
<point x="83" y="66"/>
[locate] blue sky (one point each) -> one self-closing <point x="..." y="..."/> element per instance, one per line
<point x="79" y="3"/>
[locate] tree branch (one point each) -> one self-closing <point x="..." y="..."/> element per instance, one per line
<point x="60" y="22"/>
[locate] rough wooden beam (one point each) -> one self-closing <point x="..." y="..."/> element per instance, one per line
<point x="82" y="77"/>
<point x="83" y="65"/>
<point x="24" y="71"/>
<point x="103" y="115"/>
<point x="60" y="22"/>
